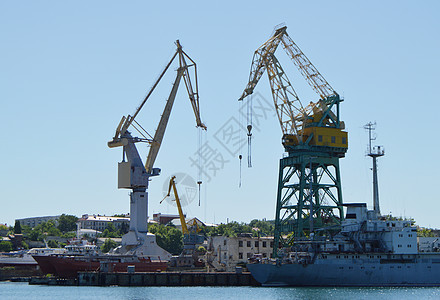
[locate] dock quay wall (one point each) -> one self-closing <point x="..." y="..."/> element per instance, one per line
<point x="10" y="273"/>
<point x="166" y="279"/>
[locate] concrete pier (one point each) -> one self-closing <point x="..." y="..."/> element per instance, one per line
<point x="166" y="279"/>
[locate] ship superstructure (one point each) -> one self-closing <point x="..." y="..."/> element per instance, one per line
<point x="362" y="232"/>
<point x="368" y="251"/>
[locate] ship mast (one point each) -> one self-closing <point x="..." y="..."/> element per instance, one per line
<point x="374" y="152"/>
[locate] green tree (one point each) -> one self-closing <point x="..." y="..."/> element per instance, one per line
<point x="124" y="228"/>
<point x="35" y="235"/>
<point x="265" y="227"/>
<point x="425" y="232"/>
<point x="201" y="249"/>
<point x="255" y="227"/>
<point x="174" y="241"/>
<point x="231" y="229"/>
<point x="53" y="231"/>
<point x="52" y="244"/>
<point x="168" y="237"/>
<point x="111" y="232"/>
<point x="108" y="245"/>
<point x="17" y="227"/>
<point x="24" y="245"/>
<point x="49" y="228"/>
<point x="105" y="233"/>
<point x="26" y="230"/>
<point x="69" y="235"/>
<point x="41" y="231"/>
<point x="111" y="227"/>
<point x="5" y="246"/>
<point x="67" y="223"/>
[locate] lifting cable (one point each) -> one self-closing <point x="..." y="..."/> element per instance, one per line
<point x="199" y="158"/>
<point x="240" y="121"/>
<point x="249" y="128"/>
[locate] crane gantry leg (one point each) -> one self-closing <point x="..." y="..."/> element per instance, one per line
<point x="309" y="196"/>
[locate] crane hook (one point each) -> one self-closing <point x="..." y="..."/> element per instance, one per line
<point x="249" y="128"/>
<point x="199" y="183"/>
<point x="240" y="157"/>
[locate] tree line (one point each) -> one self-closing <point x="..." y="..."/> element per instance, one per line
<point x="168" y="236"/>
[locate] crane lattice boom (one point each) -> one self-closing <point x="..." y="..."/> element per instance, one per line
<point x="292" y="115"/>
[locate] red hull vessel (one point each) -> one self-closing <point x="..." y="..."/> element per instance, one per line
<point x="68" y="266"/>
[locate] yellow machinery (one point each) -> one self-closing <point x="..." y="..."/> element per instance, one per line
<point x="190" y="239"/>
<point x="179" y="207"/>
<point x="297" y="120"/>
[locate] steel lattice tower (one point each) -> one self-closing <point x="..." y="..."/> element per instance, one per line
<point x="309" y="196"/>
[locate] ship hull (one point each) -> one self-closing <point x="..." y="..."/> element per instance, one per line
<point x="45" y="264"/>
<point x="334" y="274"/>
<point x="69" y="266"/>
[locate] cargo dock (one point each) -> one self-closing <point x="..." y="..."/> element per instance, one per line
<point x="153" y="279"/>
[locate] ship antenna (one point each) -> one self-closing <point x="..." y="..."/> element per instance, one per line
<point x="374" y="152"/>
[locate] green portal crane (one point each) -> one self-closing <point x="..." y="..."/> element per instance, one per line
<point x="309" y="195"/>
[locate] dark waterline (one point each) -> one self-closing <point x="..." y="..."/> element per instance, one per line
<point x="15" y="290"/>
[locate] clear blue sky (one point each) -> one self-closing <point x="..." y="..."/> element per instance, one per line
<point x="71" y="69"/>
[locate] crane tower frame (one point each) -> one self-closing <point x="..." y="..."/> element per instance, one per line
<point x="309" y="196"/>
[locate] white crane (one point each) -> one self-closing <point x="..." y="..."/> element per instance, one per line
<point x="133" y="174"/>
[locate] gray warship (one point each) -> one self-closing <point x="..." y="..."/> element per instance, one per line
<point x="368" y="251"/>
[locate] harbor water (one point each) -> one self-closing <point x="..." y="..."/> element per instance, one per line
<point x="20" y="290"/>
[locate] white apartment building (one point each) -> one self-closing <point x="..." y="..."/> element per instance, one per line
<point x="34" y="221"/>
<point x="229" y="251"/>
<point x="100" y="223"/>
